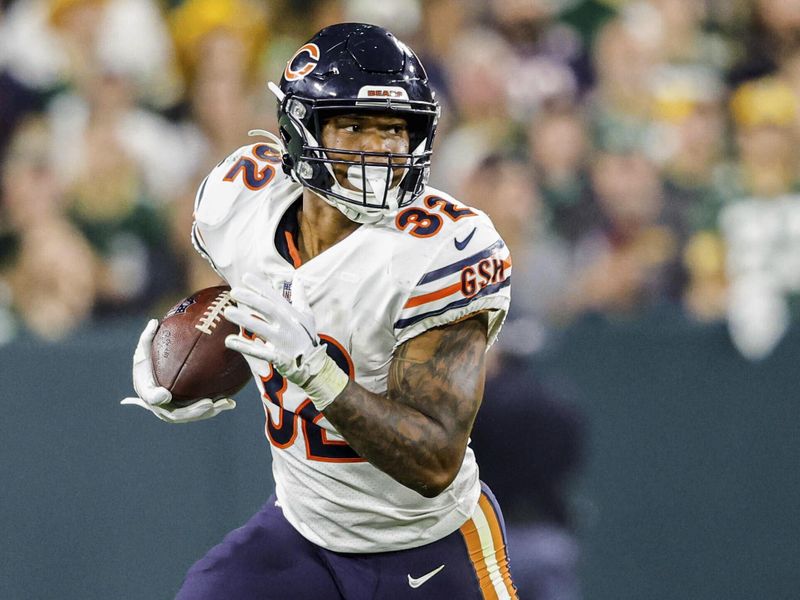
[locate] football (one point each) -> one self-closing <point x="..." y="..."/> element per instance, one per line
<point x="189" y="354"/>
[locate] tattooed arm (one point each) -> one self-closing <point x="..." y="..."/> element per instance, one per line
<point x="417" y="434"/>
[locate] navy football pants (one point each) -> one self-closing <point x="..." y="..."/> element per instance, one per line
<point x="266" y="559"/>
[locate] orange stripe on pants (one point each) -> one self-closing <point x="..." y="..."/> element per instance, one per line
<point x="499" y="545"/>
<point x="475" y="550"/>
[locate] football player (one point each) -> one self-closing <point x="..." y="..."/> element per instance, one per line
<point x="366" y="301"/>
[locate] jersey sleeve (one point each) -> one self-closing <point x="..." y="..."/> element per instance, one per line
<point x="470" y="273"/>
<point x="198" y="240"/>
<point x="225" y="203"/>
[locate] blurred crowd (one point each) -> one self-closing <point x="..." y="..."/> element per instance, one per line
<point x="637" y="155"/>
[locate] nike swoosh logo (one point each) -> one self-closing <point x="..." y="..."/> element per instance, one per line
<point x="415" y="583"/>
<point x="463" y="244"/>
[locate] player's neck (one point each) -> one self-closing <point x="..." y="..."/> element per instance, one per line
<point x="321" y="226"/>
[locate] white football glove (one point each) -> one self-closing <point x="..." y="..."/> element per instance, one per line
<point x="286" y="337"/>
<point x="157" y="399"/>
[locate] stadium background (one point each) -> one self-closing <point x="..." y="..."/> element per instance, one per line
<point x="641" y="422"/>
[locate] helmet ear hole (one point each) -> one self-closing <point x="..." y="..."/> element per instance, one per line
<point x="287" y="162"/>
<point x="292" y="138"/>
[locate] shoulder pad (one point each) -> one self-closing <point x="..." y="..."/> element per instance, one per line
<point x="247" y="172"/>
<point x="469" y="270"/>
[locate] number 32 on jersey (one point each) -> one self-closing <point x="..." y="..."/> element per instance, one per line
<point x="423" y="222"/>
<point x="283" y="432"/>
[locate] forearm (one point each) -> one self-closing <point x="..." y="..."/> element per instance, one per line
<point x="409" y="446"/>
<point x="418" y="432"/>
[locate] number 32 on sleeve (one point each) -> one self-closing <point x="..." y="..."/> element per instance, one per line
<point x="425" y="223"/>
<point x="253" y="175"/>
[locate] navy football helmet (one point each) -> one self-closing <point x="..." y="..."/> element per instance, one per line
<point x="356" y="68"/>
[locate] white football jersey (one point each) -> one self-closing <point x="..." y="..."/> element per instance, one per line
<point x="433" y="263"/>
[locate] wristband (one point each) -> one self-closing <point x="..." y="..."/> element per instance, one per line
<point x="326" y="385"/>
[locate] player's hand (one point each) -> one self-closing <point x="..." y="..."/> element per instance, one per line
<point x="286" y="337"/>
<point x="157" y="399"/>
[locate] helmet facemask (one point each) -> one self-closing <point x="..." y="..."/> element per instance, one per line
<point x="384" y="182"/>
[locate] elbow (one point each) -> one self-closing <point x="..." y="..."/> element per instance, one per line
<point x="432" y="476"/>
<point x="431" y="491"/>
<point x="436" y="482"/>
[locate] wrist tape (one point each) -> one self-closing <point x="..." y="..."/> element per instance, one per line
<point x="326" y="385"/>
